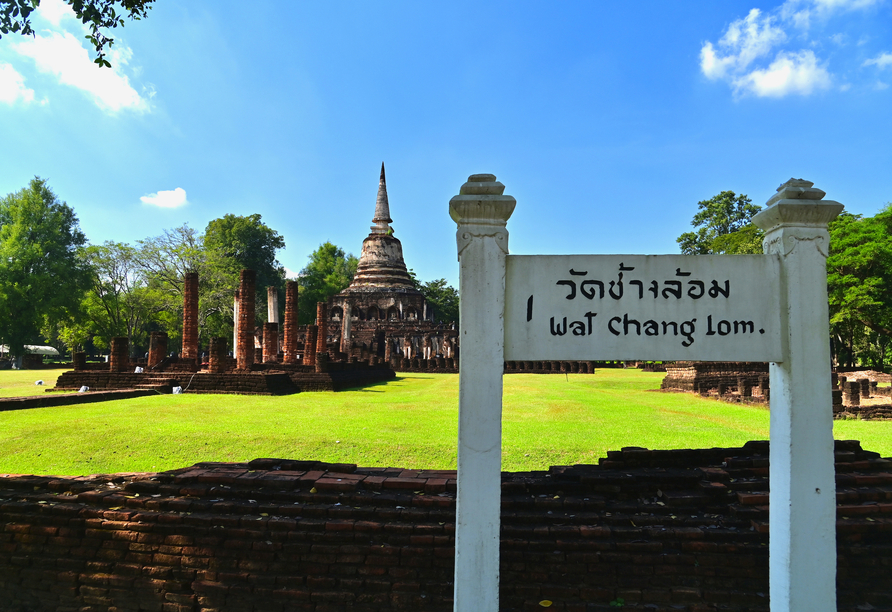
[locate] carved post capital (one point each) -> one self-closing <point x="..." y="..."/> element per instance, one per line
<point x="481" y="210"/>
<point x="795" y="214"/>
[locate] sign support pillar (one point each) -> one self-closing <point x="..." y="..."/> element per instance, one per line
<point x="481" y="212"/>
<point x="802" y="504"/>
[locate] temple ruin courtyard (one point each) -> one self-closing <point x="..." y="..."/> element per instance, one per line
<point x="408" y="422"/>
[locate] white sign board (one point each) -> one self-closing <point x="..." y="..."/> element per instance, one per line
<point x="656" y="307"/>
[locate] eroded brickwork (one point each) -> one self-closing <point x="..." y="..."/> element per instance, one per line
<point x="244" y="353"/>
<point x="157" y="348"/>
<point x="662" y="531"/>
<point x="119" y="354"/>
<point x="289" y="331"/>
<point x="190" y="316"/>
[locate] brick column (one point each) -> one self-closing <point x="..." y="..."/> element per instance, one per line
<point x="190" y="316"/>
<point x="270" y="342"/>
<point x="217" y="355"/>
<point x="157" y="348"/>
<point x="289" y="331"/>
<point x="310" y="345"/>
<point x="245" y="349"/>
<point x="119" y="357"/>
<point x="322" y="323"/>
<point x="79" y="361"/>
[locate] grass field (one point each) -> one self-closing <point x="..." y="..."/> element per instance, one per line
<point x="409" y="422"/>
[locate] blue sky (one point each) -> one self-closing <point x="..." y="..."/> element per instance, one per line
<point x="607" y="121"/>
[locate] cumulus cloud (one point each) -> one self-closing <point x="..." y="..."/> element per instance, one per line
<point x="61" y="55"/>
<point x="754" y="54"/>
<point x="789" y="73"/>
<point x="745" y="41"/>
<point x="883" y="60"/>
<point x="166" y="199"/>
<point x="12" y="86"/>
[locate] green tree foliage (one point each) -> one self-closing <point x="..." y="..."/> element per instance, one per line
<point x="724" y="226"/>
<point x="329" y="271"/>
<point x="234" y="243"/>
<point x="443" y="298"/>
<point x="41" y="278"/>
<point x="859" y="286"/>
<point x="119" y="301"/>
<point x="98" y="15"/>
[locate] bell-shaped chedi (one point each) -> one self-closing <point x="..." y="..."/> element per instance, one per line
<point x="381" y="261"/>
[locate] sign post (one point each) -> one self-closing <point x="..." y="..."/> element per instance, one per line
<point x="481" y="212"/>
<point x="770" y="307"/>
<point x="802" y="500"/>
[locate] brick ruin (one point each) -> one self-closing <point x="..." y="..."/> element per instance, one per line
<point x="381" y="313"/>
<point x="671" y="530"/>
<point x="379" y="324"/>
<point x="855" y="394"/>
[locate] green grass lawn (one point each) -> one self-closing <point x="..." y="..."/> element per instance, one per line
<point x="408" y="422"/>
<point x="19" y="383"/>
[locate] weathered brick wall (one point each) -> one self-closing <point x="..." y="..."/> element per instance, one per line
<point x="659" y="530"/>
<point x="716" y="376"/>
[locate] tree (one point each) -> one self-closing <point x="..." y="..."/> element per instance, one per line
<point x="859" y="285"/>
<point x="99" y="15"/>
<point x="444" y="299"/>
<point x="40" y="275"/>
<point x="329" y="272"/>
<point x="234" y="243"/>
<point x="724" y="227"/>
<point x="119" y="301"/>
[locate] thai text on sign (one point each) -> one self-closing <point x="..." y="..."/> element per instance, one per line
<point x="656" y="307"/>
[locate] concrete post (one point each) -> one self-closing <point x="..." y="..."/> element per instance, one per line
<point x="236" y="298"/>
<point x="272" y="305"/>
<point x="802" y="507"/>
<point x="481" y="212"/>
<point x="346" y="325"/>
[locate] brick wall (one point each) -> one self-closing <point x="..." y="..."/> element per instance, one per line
<point x="654" y="530"/>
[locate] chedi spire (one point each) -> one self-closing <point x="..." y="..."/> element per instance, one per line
<point x="382" y="218"/>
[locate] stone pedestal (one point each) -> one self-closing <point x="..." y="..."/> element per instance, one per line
<point x="245" y="348"/>
<point x="865" y="387"/>
<point x="79" y="361"/>
<point x="157" y="348"/>
<point x="190" y="316"/>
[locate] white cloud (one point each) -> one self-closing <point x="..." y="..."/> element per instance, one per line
<point x="12" y="86"/>
<point x="883" y="60"/>
<point x="54" y="11"/>
<point x="166" y="199"/>
<point x="745" y="41"/>
<point x="880" y="86"/>
<point x="63" y="56"/>
<point x="773" y="54"/>
<point x="790" y="73"/>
